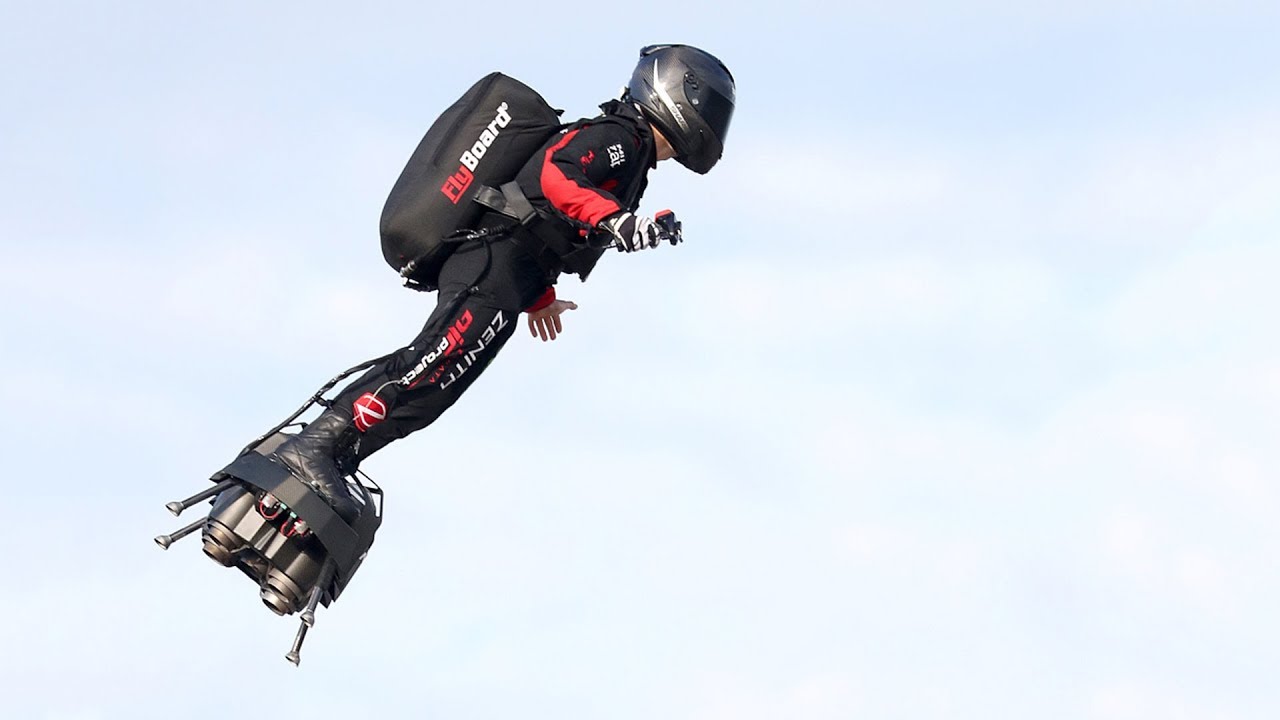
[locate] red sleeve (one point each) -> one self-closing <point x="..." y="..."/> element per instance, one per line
<point x="580" y="169"/>
<point x="543" y="300"/>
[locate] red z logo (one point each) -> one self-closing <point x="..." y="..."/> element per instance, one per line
<point x="369" y="410"/>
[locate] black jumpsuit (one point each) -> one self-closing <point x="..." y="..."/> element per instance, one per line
<point x="594" y="169"/>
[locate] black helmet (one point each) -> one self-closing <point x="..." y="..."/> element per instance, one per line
<point x="688" y="94"/>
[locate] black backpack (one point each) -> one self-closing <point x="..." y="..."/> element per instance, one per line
<point x="482" y="140"/>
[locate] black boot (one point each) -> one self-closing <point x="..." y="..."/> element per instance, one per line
<point x="312" y="454"/>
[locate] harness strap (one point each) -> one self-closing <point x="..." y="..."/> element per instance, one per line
<point x="507" y="199"/>
<point x="536" y="235"/>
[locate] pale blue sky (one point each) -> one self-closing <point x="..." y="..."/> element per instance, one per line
<point x="960" y="400"/>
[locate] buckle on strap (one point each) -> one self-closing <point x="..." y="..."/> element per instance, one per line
<point x="507" y="199"/>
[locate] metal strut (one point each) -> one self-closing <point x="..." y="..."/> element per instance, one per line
<point x="309" y="614"/>
<point x="164" y="541"/>
<point x="177" y="507"/>
<point x="294" y="655"/>
<point x="322" y="585"/>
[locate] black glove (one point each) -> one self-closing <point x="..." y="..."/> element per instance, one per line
<point x="631" y="232"/>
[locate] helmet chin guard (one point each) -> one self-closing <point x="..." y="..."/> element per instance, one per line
<point x="689" y="96"/>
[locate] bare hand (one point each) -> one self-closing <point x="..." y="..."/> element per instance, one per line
<point x="546" y="322"/>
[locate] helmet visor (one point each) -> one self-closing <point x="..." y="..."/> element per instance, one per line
<point x="714" y="108"/>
